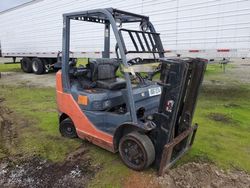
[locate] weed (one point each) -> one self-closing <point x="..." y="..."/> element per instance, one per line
<point x="10" y="67"/>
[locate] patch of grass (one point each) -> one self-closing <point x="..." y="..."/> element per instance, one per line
<point x="216" y="68"/>
<point x="225" y="92"/>
<point x="113" y="171"/>
<point x="41" y="136"/>
<point x="10" y="67"/>
<point x="225" y="143"/>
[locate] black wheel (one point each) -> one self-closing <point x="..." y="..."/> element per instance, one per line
<point x="38" y="66"/>
<point x="137" y="151"/>
<point x="26" y="65"/>
<point x="67" y="128"/>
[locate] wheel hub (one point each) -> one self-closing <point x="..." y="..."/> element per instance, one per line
<point x="69" y="129"/>
<point x="133" y="153"/>
<point x="35" y="66"/>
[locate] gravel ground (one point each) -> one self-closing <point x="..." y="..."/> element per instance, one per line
<point x="203" y="175"/>
<point x="3" y="60"/>
<point x="28" y="79"/>
<point x="240" y="72"/>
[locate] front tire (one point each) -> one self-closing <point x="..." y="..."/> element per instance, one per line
<point x="67" y="128"/>
<point x="137" y="151"/>
<point x="38" y="66"/>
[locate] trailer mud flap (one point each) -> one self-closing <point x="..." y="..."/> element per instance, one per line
<point x="167" y="159"/>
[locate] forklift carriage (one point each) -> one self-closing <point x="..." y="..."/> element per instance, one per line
<point x="147" y="119"/>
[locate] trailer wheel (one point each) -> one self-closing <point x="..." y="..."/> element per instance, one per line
<point x="38" y="66"/>
<point x="67" y="128"/>
<point x="137" y="151"/>
<point x="26" y="65"/>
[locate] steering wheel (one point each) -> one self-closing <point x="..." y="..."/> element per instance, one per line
<point x="152" y="74"/>
<point x="135" y="61"/>
<point x="149" y="75"/>
<point x="137" y="75"/>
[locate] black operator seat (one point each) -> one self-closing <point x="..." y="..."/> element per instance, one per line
<point x="103" y="72"/>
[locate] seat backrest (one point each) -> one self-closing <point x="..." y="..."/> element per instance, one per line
<point x="103" y="68"/>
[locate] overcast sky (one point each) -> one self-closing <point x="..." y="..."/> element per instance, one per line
<point x="6" y="4"/>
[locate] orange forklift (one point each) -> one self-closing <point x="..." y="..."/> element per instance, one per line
<point x="146" y="113"/>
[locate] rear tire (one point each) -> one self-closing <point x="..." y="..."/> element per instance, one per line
<point x="26" y="65"/>
<point x="137" y="151"/>
<point x="38" y="66"/>
<point x="67" y="128"/>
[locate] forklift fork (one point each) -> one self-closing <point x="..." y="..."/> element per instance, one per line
<point x="166" y="161"/>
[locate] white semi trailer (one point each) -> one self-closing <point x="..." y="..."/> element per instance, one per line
<point x="199" y="28"/>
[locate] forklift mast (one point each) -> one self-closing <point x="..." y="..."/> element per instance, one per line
<point x="181" y="79"/>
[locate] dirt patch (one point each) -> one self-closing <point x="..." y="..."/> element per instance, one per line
<point x="8" y="133"/>
<point x="20" y="170"/>
<point x="220" y="117"/>
<point x="217" y="82"/>
<point x="140" y="180"/>
<point x="193" y="174"/>
<point x="245" y="64"/>
<point x="75" y="171"/>
<point x="28" y="80"/>
<point x="224" y="92"/>
<point x="203" y="175"/>
<point x="241" y="71"/>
